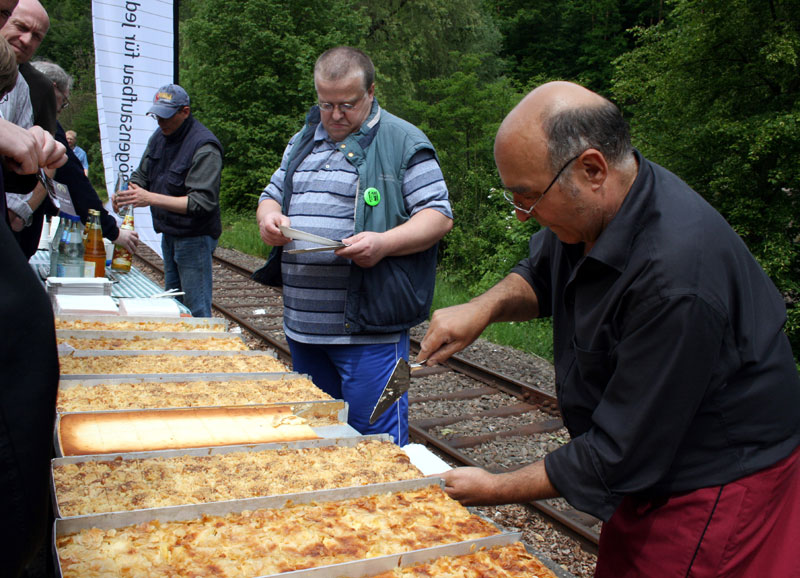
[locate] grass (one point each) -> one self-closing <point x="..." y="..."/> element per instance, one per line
<point x="240" y="232"/>
<point x="534" y="337"/>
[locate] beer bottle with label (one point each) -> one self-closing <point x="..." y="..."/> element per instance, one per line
<point x="121" y="261"/>
<point x="94" y="256"/>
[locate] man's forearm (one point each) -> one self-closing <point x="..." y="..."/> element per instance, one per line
<point x="38" y="196"/>
<point x="172" y="204"/>
<point x="420" y="232"/>
<point x="511" y="299"/>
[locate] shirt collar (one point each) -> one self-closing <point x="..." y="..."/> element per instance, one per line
<point x="614" y="244"/>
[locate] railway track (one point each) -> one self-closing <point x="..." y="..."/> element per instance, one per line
<point x="466" y="412"/>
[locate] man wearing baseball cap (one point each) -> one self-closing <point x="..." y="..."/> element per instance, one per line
<point x="178" y="178"/>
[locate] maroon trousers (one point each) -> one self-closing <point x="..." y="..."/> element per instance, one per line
<point x="747" y="528"/>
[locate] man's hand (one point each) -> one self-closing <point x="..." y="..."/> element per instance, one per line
<point x="470" y="486"/>
<point x="365" y="249"/>
<point x="269" y="219"/>
<point x="16" y="222"/>
<point x="29" y="150"/>
<point x="133" y="195"/>
<point x="477" y="487"/>
<point x="451" y="330"/>
<point x="127" y="239"/>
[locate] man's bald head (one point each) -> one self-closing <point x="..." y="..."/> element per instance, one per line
<point x="562" y="119"/>
<point x="26" y="28"/>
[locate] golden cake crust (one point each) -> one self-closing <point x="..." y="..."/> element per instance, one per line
<point x="116" y="485"/>
<point x="166" y="363"/>
<point x="130" y="431"/>
<point x="94" y="325"/>
<point x="144" y="395"/>
<point x="138" y="343"/>
<point x="270" y="541"/>
<point x="511" y="561"/>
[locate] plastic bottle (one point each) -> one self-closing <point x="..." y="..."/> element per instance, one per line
<point x="94" y="257"/>
<point x="70" y="256"/>
<point x="121" y="260"/>
<point x="56" y="240"/>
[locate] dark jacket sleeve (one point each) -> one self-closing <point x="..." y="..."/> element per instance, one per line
<point x="29" y="382"/>
<point x="83" y="195"/>
<point x="43" y="98"/>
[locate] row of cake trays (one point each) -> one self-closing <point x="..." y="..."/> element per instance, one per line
<point x="357" y="568"/>
<point x="340" y="435"/>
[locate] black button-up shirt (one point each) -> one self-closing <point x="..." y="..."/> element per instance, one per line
<point x="672" y="368"/>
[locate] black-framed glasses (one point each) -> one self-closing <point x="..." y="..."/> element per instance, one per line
<point x="344" y="107"/>
<point x="509" y="196"/>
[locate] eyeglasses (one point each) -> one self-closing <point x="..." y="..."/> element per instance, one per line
<point x="508" y="196"/>
<point x="344" y="107"/>
<point x="64" y="99"/>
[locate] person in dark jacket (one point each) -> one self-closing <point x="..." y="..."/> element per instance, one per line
<point x="674" y="376"/>
<point x="178" y="178"/>
<point x="29" y="362"/>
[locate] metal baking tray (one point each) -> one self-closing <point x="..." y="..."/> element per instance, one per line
<point x="203" y="452"/>
<point x="317" y="408"/>
<point x="114" y="378"/>
<point x="70" y="381"/>
<point x="179" y="353"/>
<point x="358" y="568"/>
<point x="66" y="380"/>
<point x="373" y="566"/>
<point x="68" y="348"/>
<point x="340" y="430"/>
<point x="192" y="352"/>
<point x="144" y="335"/>
<point x="64" y="526"/>
<point x="199" y="323"/>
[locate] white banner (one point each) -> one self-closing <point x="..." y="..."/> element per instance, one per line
<point x="133" y="45"/>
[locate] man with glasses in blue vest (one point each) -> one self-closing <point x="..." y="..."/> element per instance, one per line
<point x="358" y="174"/>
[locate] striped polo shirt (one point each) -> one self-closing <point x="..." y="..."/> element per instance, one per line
<point x="323" y="203"/>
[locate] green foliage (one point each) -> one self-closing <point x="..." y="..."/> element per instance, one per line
<point x="69" y="44"/>
<point x="534" y="336"/>
<point x="713" y="93"/>
<point x="486" y="240"/>
<point x="248" y="66"/>
<point x="569" y="39"/>
<point x="411" y="42"/>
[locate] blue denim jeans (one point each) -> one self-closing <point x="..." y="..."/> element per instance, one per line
<point x="357" y="374"/>
<point x="187" y="268"/>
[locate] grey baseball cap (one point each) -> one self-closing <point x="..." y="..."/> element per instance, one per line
<point x="168" y="100"/>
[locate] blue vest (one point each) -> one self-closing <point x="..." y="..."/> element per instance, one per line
<point x="170" y="161"/>
<point x="396" y="293"/>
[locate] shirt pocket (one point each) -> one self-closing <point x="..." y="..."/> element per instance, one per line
<point x="593" y="366"/>
<point x="175" y="183"/>
<point x="583" y="387"/>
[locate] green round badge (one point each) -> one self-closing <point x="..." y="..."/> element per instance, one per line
<point x="372" y="196"/>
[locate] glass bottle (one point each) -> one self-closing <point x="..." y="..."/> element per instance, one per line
<point x="70" y="256"/>
<point x="94" y="257"/>
<point x="121" y="261"/>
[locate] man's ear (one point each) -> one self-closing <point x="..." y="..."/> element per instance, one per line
<point x="593" y="167"/>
